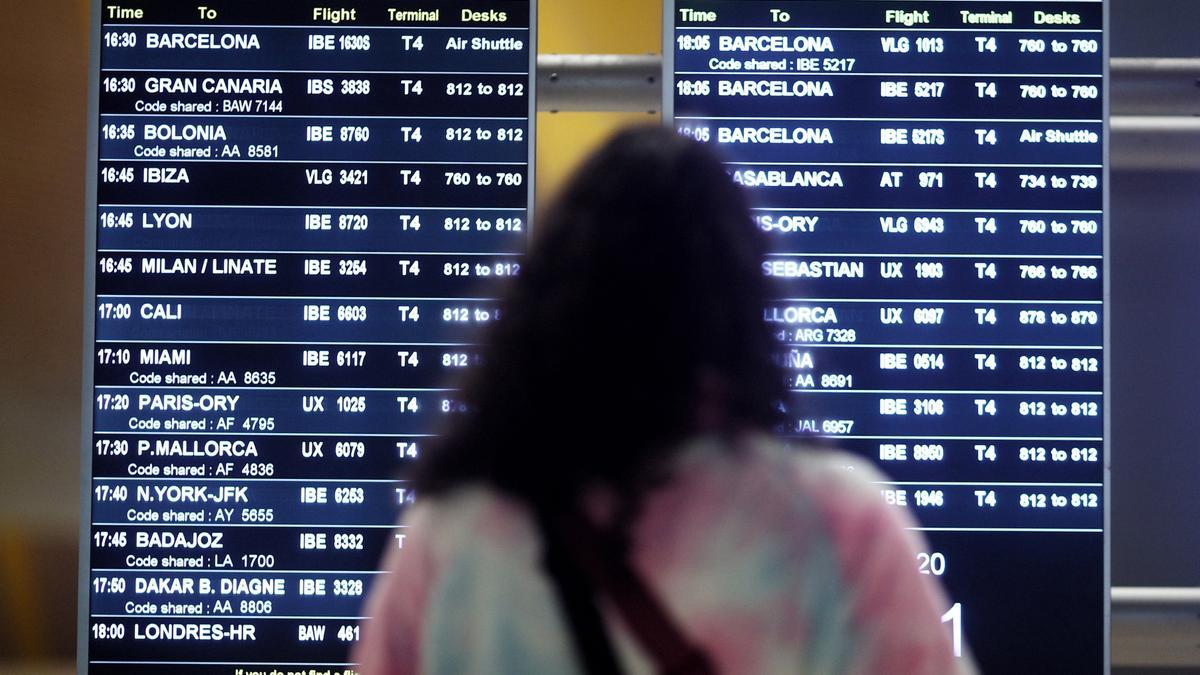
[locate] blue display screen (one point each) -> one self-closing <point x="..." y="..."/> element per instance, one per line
<point x="298" y="211"/>
<point x="931" y="179"/>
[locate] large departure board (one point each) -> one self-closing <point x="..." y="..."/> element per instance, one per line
<point x="298" y="212"/>
<point x="931" y="176"/>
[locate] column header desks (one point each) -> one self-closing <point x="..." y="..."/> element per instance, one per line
<point x="882" y="15"/>
<point x="361" y="13"/>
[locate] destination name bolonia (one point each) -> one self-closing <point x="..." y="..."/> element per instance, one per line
<point x="184" y="132"/>
<point x="788" y="179"/>
<point x="202" y="41"/>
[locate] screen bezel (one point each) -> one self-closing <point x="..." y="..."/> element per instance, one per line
<point x="84" y="599"/>
<point x="668" y="117"/>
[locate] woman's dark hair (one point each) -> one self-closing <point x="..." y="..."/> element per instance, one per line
<point x="642" y="289"/>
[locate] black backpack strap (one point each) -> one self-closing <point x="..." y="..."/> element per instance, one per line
<point x="598" y="565"/>
<point x="592" y="642"/>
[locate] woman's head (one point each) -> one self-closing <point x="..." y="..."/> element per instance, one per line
<point x="635" y="322"/>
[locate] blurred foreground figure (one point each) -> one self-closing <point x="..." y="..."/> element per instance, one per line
<point x="612" y="502"/>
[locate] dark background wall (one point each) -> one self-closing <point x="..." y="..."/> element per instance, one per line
<point x="1155" y="265"/>
<point x="1155" y="28"/>
<point x="43" y="71"/>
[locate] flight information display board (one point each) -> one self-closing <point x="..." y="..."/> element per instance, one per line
<point x="297" y="211"/>
<point x="931" y="176"/>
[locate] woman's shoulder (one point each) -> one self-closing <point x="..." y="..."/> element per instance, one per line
<point x="756" y="485"/>
<point x="793" y="491"/>
<point x="843" y="488"/>
<point x="802" y="493"/>
<point x="809" y="470"/>
<point x="469" y="516"/>
<point x="836" y="474"/>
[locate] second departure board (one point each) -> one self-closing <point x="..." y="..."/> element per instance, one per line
<point x="298" y="209"/>
<point x="931" y="177"/>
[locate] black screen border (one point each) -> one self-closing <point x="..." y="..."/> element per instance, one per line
<point x="91" y="172"/>
<point x="668" y="118"/>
